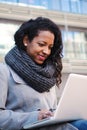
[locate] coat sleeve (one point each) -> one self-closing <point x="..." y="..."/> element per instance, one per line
<point x="10" y="120"/>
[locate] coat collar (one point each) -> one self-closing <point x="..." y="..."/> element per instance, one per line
<point x="16" y="77"/>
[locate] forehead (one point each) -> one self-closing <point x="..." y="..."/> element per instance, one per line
<point x="45" y="35"/>
<point x="45" y="32"/>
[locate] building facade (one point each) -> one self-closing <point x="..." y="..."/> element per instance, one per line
<point x="70" y="16"/>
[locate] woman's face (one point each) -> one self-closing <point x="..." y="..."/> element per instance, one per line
<point x="40" y="47"/>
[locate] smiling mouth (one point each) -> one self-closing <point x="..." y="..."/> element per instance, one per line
<point x="42" y="58"/>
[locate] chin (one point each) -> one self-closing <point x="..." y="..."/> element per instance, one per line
<point x="39" y="63"/>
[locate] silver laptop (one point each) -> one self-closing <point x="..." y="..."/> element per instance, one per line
<point x="72" y="104"/>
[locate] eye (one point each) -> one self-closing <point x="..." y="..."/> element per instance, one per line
<point x="50" y="47"/>
<point x="41" y="44"/>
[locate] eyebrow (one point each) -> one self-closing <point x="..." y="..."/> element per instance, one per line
<point x="46" y="42"/>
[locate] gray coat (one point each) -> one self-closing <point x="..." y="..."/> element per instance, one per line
<point x="19" y="103"/>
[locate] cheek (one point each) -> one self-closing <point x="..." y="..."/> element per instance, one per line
<point x="31" y="50"/>
<point x="35" y="48"/>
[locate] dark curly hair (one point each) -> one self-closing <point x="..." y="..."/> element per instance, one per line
<point x="31" y="28"/>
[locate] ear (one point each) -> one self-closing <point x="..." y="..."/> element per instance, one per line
<point x="25" y="40"/>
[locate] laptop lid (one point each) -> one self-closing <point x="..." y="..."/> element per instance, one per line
<point x="73" y="101"/>
<point x="72" y="104"/>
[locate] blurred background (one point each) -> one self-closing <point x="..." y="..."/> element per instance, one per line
<point x="69" y="15"/>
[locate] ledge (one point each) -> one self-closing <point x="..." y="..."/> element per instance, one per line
<point x="75" y="66"/>
<point x="22" y="13"/>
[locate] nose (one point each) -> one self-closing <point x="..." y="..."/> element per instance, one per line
<point x="46" y="51"/>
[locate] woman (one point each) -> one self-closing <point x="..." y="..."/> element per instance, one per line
<point x="30" y="74"/>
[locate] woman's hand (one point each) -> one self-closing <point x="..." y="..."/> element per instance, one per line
<point x="44" y="114"/>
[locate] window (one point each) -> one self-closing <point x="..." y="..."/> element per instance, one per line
<point x="6" y="37"/>
<point x="65" y="5"/>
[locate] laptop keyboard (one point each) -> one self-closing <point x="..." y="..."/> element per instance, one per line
<point x="42" y="120"/>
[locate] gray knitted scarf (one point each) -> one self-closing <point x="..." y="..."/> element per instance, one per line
<point x="41" y="78"/>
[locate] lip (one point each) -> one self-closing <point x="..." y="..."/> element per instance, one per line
<point x="41" y="57"/>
